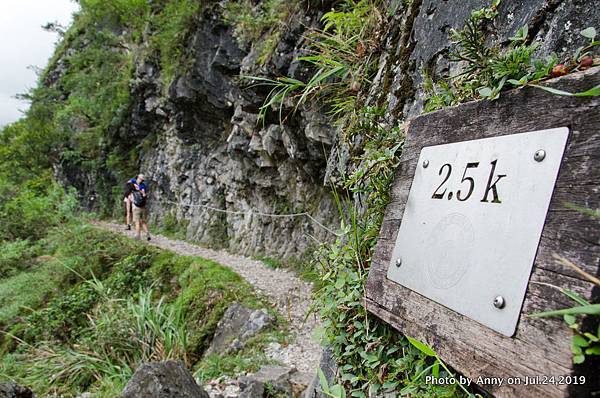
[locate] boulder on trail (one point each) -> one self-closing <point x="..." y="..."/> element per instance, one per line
<point x="238" y="324"/>
<point x="168" y="379"/>
<point x="13" y="390"/>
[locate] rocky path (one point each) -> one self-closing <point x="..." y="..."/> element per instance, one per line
<point x="290" y="294"/>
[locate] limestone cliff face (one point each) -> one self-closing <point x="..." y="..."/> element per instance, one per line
<point x="204" y="146"/>
<point x="211" y="151"/>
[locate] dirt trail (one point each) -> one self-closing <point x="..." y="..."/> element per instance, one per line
<point x="290" y="294"/>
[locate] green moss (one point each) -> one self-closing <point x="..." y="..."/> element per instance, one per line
<point x="207" y="291"/>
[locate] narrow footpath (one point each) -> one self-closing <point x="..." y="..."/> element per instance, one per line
<point x="290" y="294"/>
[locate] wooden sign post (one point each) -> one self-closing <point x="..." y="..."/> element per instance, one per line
<point x="421" y="284"/>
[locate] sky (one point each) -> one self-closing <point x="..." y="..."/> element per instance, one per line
<point x="23" y="43"/>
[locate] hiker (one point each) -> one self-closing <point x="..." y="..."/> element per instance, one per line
<point x="129" y="188"/>
<point x="138" y="198"/>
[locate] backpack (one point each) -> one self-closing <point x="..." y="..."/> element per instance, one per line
<point x="139" y="200"/>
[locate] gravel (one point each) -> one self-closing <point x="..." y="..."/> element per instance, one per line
<point x="289" y="294"/>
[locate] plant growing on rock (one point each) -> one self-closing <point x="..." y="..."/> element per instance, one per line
<point x="343" y="54"/>
<point x="488" y="69"/>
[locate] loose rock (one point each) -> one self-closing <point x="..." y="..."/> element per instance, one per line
<point x="237" y="326"/>
<point x="168" y="379"/>
<point x="13" y="390"/>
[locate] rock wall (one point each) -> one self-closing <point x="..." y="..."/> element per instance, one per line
<point x="210" y="150"/>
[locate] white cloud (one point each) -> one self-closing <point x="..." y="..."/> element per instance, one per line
<point x="24" y="43"/>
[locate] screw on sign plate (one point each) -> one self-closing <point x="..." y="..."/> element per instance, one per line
<point x="425" y="164"/>
<point x="499" y="302"/>
<point x="398" y="262"/>
<point x="539" y="155"/>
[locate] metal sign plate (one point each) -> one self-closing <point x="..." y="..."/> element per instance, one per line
<point x="473" y="221"/>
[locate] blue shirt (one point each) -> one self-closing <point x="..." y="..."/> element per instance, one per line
<point x="141" y="185"/>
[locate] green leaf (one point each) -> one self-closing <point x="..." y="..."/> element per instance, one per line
<point x="392" y="350"/>
<point x="569" y="319"/>
<point x="323" y="380"/>
<point x="338" y="391"/>
<point x="591" y="337"/>
<point x="553" y="90"/>
<point x="580" y="341"/>
<point x="424" y="348"/>
<point x="592" y="309"/>
<point x="589" y="33"/>
<point x="409" y="389"/>
<point x="374" y="388"/>
<point x="577" y="359"/>
<point x="592" y="92"/>
<point x="595" y="350"/>
<point x="574" y="296"/>
<point x="574" y="326"/>
<point x="515" y="82"/>
<point x="390" y="384"/>
<point x="521" y="34"/>
<point x="435" y="371"/>
<point x="485" y="92"/>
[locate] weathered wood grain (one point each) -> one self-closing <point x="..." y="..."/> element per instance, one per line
<point x="540" y="346"/>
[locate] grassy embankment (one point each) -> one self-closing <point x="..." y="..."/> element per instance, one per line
<point x="82" y="307"/>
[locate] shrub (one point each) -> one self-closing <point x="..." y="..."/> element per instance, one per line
<point x="172" y="227"/>
<point x="62" y="318"/>
<point x="205" y="289"/>
<point x="374" y="359"/>
<point x="26" y="290"/>
<point x="29" y="214"/>
<point x="126" y="12"/>
<point x="15" y="256"/>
